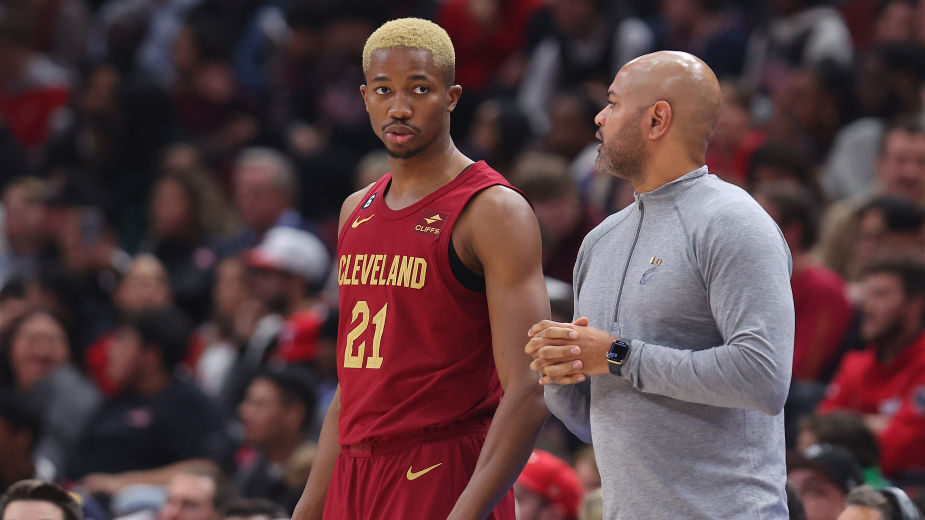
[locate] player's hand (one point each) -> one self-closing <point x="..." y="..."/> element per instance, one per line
<point x="566" y="353"/>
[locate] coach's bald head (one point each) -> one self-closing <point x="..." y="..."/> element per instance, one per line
<point x="667" y="102"/>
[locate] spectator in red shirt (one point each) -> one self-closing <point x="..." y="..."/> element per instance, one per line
<point x="886" y="382"/>
<point x="823" y="311"/>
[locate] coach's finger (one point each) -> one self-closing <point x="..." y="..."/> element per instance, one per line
<point x="545" y="324"/>
<point x="559" y="353"/>
<point x="564" y="380"/>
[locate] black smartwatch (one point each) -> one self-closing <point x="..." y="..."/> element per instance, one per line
<point x="617" y="354"/>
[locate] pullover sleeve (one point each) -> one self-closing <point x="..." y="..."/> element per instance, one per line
<point x="745" y="266"/>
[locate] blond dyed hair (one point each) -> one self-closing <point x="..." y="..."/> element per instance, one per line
<point x="415" y="33"/>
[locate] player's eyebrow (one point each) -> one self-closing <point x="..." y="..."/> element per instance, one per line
<point x="419" y="77"/>
<point x="379" y="77"/>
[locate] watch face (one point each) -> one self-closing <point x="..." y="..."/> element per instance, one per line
<point x="618" y="351"/>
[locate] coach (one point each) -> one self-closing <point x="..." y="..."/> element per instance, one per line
<point x="679" y="366"/>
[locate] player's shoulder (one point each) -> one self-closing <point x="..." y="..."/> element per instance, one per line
<point x="351" y="202"/>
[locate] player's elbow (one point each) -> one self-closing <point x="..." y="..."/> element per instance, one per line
<point x="770" y="399"/>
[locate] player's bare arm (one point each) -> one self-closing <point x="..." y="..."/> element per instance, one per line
<point x="498" y="237"/>
<point x="311" y="505"/>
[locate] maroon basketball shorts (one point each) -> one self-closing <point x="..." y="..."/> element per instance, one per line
<point x="415" y="477"/>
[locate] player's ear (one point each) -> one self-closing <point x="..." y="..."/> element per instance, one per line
<point x="452" y="95"/>
<point x="363" y="93"/>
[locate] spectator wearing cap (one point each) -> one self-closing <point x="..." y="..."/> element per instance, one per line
<point x="847" y="430"/>
<point x="823" y="475"/>
<point x="548" y="489"/>
<point x="38" y="500"/>
<point x="886" y="381"/>
<point x="157" y="423"/>
<point x="277" y="412"/>
<point x="264" y="185"/>
<point x="287" y="273"/>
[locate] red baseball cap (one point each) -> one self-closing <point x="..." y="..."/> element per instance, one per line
<point x="554" y="480"/>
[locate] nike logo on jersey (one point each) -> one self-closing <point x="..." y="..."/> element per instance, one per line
<point x="414" y="475"/>
<point x="359" y="220"/>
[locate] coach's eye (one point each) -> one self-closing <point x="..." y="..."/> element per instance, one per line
<point x="382" y="90"/>
<point x="421" y="89"/>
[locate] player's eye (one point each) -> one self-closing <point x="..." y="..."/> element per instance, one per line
<point x="421" y="89"/>
<point x="382" y="90"/>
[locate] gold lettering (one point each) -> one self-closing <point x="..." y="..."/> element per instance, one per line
<point x="343" y="269"/>
<point x="404" y="272"/>
<point x="377" y="264"/>
<point x="367" y="267"/>
<point x="393" y="271"/>
<point x="420" y="273"/>
<point x="381" y="280"/>
<point x="356" y="267"/>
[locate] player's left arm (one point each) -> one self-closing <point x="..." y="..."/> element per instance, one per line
<point x="500" y="234"/>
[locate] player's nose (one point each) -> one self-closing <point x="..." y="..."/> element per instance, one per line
<point x="400" y="108"/>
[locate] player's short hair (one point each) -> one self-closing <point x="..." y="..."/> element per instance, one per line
<point x="415" y="33"/>
<point x="40" y="491"/>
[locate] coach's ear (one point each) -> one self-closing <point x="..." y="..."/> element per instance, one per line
<point x="452" y="96"/>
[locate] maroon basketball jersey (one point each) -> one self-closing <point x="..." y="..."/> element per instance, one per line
<point x="414" y="344"/>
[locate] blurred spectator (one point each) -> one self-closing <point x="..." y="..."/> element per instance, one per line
<point x="887" y="224"/>
<point x="264" y="188"/>
<point x="12" y="302"/>
<point x="277" y="411"/>
<point x="820" y="301"/>
<point x="822" y="476"/>
<point x="19" y="431"/>
<point x="178" y="233"/>
<point x="584" y="51"/>
<point x="794" y="504"/>
<point x="372" y="166"/>
<point x="36" y="361"/>
<point x="157" y="423"/>
<point x="586" y="468"/>
<point x="846" y="430"/>
<point x="24" y="235"/>
<point x="61" y="30"/>
<point x="571" y="126"/>
<point x="889" y="81"/>
<point x="33" y="89"/>
<point x="592" y="506"/>
<point x="139" y="34"/>
<point x="800" y="33"/>
<point x="144" y="285"/>
<point x="895" y="21"/>
<point x="38" y="500"/>
<point x="886" y="382"/>
<point x="199" y="492"/>
<point x="708" y="29"/>
<point x="231" y="303"/>
<point x="547" y="488"/>
<point x="498" y="134"/>
<point x="810" y="105"/>
<point x="734" y="138"/>
<point x="564" y="219"/>
<point x="252" y="509"/>
<point x="783" y="167"/>
<point x="489" y="37"/>
<point x="900" y="172"/>
<point x="865" y="503"/>
<point x="287" y="272"/>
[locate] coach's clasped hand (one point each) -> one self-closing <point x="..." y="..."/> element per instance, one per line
<point x="567" y="353"/>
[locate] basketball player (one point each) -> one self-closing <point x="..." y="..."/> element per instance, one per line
<point x="440" y="278"/>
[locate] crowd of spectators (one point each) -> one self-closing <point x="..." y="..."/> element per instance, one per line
<point x="171" y="174"/>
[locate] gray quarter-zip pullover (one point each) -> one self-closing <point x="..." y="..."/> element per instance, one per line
<point x="697" y="275"/>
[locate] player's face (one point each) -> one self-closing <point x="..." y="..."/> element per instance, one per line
<point x="408" y="100"/>
<point x="622" y="151"/>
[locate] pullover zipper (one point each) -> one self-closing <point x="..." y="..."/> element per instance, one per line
<point x="642" y="213"/>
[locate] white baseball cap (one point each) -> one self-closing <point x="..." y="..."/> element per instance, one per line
<point x="293" y="251"/>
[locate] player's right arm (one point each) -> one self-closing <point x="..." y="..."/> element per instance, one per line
<point x="311" y="505"/>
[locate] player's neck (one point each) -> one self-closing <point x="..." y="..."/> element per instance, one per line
<point x="416" y="177"/>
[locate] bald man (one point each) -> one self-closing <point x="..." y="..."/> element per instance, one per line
<point x="678" y="363"/>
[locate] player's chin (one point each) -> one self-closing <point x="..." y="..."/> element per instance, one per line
<point x="401" y="152"/>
